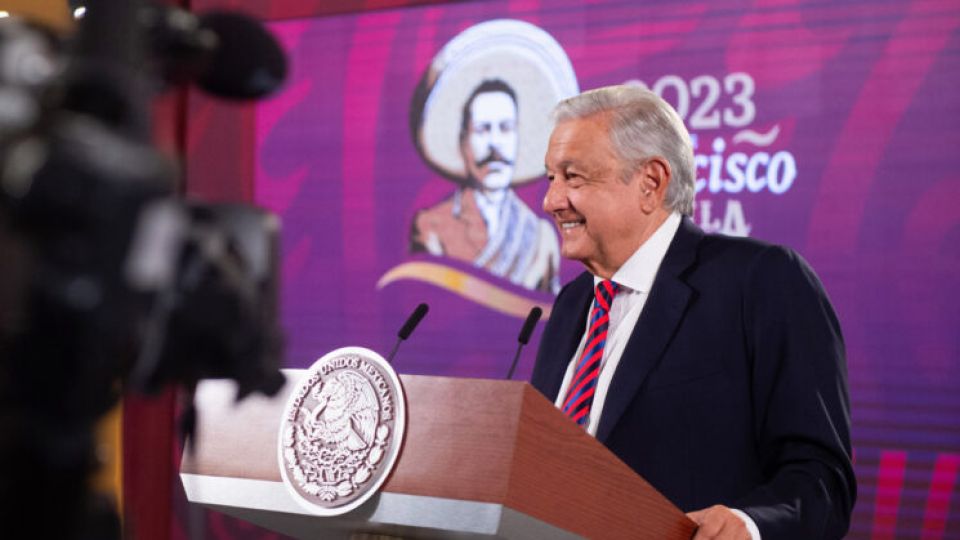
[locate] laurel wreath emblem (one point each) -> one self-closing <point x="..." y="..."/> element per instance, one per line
<point x="332" y="450"/>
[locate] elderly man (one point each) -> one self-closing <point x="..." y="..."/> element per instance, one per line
<point x="712" y="366"/>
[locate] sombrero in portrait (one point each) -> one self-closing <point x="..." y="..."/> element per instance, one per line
<point x="521" y="55"/>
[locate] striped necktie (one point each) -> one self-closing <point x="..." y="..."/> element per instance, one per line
<point x="584" y="380"/>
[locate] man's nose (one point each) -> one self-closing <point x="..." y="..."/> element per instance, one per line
<point x="496" y="147"/>
<point x="556" y="198"/>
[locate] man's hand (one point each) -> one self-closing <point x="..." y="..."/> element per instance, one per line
<point x="720" y="523"/>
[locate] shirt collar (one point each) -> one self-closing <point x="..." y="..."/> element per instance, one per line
<point x="489" y="210"/>
<point x="639" y="271"/>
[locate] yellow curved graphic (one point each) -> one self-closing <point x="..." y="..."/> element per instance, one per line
<point x="465" y="285"/>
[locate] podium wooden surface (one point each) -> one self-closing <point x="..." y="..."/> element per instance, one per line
<point x="481" y="459"/>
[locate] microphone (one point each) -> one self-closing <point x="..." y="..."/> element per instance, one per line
<point x="229" y="55"/>
<point x="247" y="64"/>
<point x="524" y="336"/>
<point x="412" y="321"/>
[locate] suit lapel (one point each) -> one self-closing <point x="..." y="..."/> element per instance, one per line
<point x="569" y="332"/>
<point x="661" y="315"/>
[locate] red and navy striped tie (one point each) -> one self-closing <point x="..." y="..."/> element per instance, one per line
<point x="584" y="380"/>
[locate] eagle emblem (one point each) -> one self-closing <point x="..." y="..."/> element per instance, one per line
<point x="345" y="417"/>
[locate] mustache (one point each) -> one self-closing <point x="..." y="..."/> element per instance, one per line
<point x="493" y="157"/>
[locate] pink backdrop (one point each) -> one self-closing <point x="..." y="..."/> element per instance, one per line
<point x="829" y="127"/>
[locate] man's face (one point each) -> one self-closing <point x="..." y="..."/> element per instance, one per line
<point x="599" y="217"/>
<point x="490" y="144"/>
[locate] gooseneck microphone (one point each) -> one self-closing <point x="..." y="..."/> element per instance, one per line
<point x="412" y="321"/>
<point x="524" y="336"/>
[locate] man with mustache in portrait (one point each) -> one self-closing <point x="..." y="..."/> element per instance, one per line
<point x="484" y="222"/>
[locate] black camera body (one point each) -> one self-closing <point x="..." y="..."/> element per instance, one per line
<point x="110" y="281"/>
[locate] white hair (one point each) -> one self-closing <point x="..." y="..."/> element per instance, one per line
<point x="642" y="125"/>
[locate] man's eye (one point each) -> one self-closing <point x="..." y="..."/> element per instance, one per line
<point x="575" y="180"/>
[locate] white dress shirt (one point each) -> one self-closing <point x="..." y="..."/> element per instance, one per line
<point x="635" y="278"/>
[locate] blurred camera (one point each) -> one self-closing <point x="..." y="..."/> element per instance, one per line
<point x="152" y="287"/>
<point x="109" y="280"/>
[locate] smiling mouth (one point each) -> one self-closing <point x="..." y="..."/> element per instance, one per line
<point x="569" y="225"/>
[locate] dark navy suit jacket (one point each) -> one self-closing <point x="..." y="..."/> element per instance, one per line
<point x="732" y="388"/>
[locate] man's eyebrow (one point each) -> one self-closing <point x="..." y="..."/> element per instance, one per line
<point x="562" y="166"/>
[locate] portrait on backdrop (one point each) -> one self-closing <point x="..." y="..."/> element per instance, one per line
<point x="480" y="118"/>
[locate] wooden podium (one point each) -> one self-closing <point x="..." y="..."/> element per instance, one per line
<point x="481" y="459"/>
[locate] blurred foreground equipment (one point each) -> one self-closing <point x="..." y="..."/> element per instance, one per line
<point x="108" y="282"/>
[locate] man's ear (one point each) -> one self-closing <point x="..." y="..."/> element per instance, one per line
<point x="654" y="176"/>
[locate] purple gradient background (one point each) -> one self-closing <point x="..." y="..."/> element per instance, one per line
<point x="865" y="94"/>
